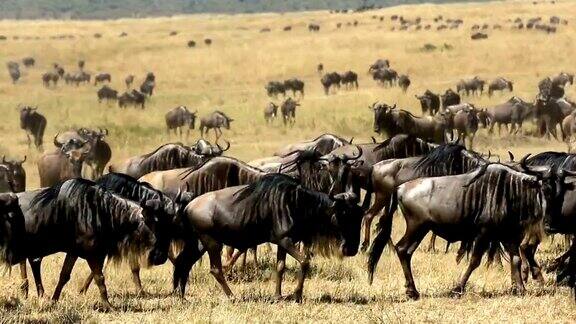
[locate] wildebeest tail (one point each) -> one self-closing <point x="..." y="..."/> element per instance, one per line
<point x="380" y="241"/>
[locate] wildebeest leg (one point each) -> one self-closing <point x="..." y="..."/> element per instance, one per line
<point x="379" y="203"/>
<point x="191" y="253"/>
<point x="405" y="249"/>
<point x="36" y="266"/>
<point x="87" y="283"/>
<point x="280" y="266"/>
<point x="67" y="267"/>
<point x="480" y="246"/>
<point x="513" y="250"/>
<point x="214" y="249"/>
<point x="135" y="269"/>
<point x="24" y="276"/>
<point x="432" y="245"/>
<point x="304" y="259"/>
<point x="528" y="253"/>
<point x="233" y="258"/>
<point x="96" y="264"/>
<point x="29" y="140"/>
<point x="491" y="130"/>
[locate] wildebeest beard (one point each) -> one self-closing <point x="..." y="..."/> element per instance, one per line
<point x="170" y="158"/>
<point x="116" y="224"/>
<point x="448" y="159"/>
<point x="292" y="210"/>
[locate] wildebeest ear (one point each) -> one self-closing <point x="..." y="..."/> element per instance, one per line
<point x="154" y="204"/>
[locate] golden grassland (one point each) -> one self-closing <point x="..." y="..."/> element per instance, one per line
<point x="230" y="75"/>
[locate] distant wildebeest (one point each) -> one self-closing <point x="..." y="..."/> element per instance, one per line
<point x="313" y="27"/>
<point x="513" y="112"/>
<point x="167" y="157"/>
<point x="429" y="102"/>
<point x="179" y="117"/>
<point x="99" y="152"/>
<point x="288" y="109"/>
<point x="123" y="34"/>
<point x="547" y="88"/>
<point x="478" y="36"/>
<point x="403" y="82"/>
<point x="34" y="124"/>
<point x="474" y="86"/>
<point x="265" y="30"/>
<point x="59" y="70"/>
<point x="274" y="88"/>
<point x="500" y="84"/>
<point x="129" y="80"/>
<point x="63" y="163"/>
<point x="102" y="77"/>
<point x="380" y="64"/>
<point x="133" y="98"/>
<point x="450" y="98"/>
<point x="28" y="62"/>
<point x="107" y="93"/>
<point x="386" y="76"/>
<point x="330" y="80"/>
<point x="215" y="121"/>
<point x="208" y="41"/>
<point x="287" y="28"/>
<point x="147" y="87"/>
<point x="549" y="113"/>
<point x="191" y="44"/>
<point x="320" y="68"/>
<point x="14" y="71"/>
<point x="295" y="85"/>
<point x="350" y="80"/>
<point x="78" y="78"/>
<point x="273" y="200"/>
<point x="15" y="174"/>
<point x="563" y="78"/>
<point x="270" y="112"/>
<point x="50" y="77"/>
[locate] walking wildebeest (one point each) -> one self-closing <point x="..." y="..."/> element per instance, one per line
<point x="270" y="112"/>
<point x="385" y="76"/>
<point x="14" y="71"/>
<point x="330" y="80"/>
<point x="294" y="85"/>
<point x="349" y="80"/>
<point x="34" y="124"/>
<point x="50" y="77"/>
<point x="63" y="163"/>
<point x="275" y="200"/>
<point x="288" y="110"/>
<point x="313" y="27"/>
<point x="215" y="121"/>
<point x="500" y="84"/>
<point x="474" y="86"/>
<point x="179" y="117"/>
<point x="549" y="113"/>
<point x="274" y="88"/>
<point x="107" y="93"/>
<point x="513" y="112"/>
<point x="15" y="177"/>
<point x="450" y="98"/>
<point x="129" y="80"/>
<point x="429" y="102"/>
<point x="404" y="82"/>
<point x="133" y="98"/>
<point x="495" y="205"/>
<point x="102" y="77"/>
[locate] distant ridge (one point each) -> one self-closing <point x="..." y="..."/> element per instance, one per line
<point x="112" y="9"/>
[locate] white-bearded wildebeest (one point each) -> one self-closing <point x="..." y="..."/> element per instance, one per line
<point x="12" y="229"/>
<point x="274" y="88"/>
<point x="215" y="120"/>
<point x="495" y="205"/>
<point x="547" y="88"/>
<point x="83" y="220"/>
<point x="14" y="71"/>
<point x="500" y="84"/>
<point x="549" y="113"/>
<point x="28" y="62"/>
<point x="133" y="98"/>
<point x="563" y="78"/>
<point x="288" y="110"/>
<point x="106" y="93"/>
<point x="129" y="80"/>
<point x="102" y="77"/>
<point x="474" y="86"/>
<point x="466" y="123"/>
<point x="15" y="174"/>
<point x="513" y="112"/>
<point x="270" y="112"/>
<point x="404" y="82"/>
<point x="429" y="102"/>
<point x="179" y="117"/>
<point x="294" y="85"/>
<point x="99" y="153"/>
<point x="330" y="80"/>
<point x="276" y="209"/>
<point x="450" y="98"/>
<point x="385" y="76"/>
<point x="380" y="64"/>
<point x="349" y="80"/>
<point x="63" y="163"/>
<point x="168" y="156"/>
<point x="7" y="181"/>
<point x="147" y="87"/>
<point x="34" y="124"/>
<point x="324" y="144"/>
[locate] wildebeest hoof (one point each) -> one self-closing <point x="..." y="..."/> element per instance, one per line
<point x="412" y="294"/>
<point x="104" y="307"/>
<point x="518" y="291"/>
<point x="457" y="292"/>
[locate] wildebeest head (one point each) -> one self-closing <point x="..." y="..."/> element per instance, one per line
<point x="74" y="149"/>
<point x="347" y="218"/>
<point x="12" y="229"/>
<point x="223" y="120"/>
<point x="338" y="166"/>
<point x="190" y="118"/>
<point x="25" y="113"/>
<point x="17" y="172"/>
<point x="382" y="112"/>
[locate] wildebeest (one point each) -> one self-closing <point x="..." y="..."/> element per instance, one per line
<point x="450" y="98"/>
<point x="50" y="77"/>
<point x="330" y="80"/>
<point x="179" y="117"/>
<point x="102" y="77"/>
<point x="7" y="182"/>
<point x="129" y="80"/>
<point x="324" y="144"/>
<point x="215" y="121"/>
<point x="288" y="110"/>
<point x="513" y="112"/>
<point x="99" y="153"/>
<point x="270" y="112"/>
<point x="295" y="85"/>
<point x="107" y="93"/>
<point x="547" y="88"/>
<point x="63" y="163"/>
<point x="34" y="124"/>
<point x="386" y="76"/>
<point x="500" y="84"/>
<point x="83" y="220"/>
<point x="14" y="71"/>
<point x="12" y="223"/>
<point x="313" y="27"/>
<point x="320" y="68"/>
<point x="563" y="78"/>
<point x="349" y="80"/>
<point x="276" y="200"/>
<point x="274" y="88"/>
<point x="208" y="41"/>
<point x="495" y="205"/>
<point x="133" y="98"/>
<point x="474" y="86"/>
<point x="15" y="175"/>
<point x="380" y="64"/>
<point x="28" y="61"/>
<point x="404" y="82"/>
<point x="429" y="102"/>
<point x="478" y="36"/>
<point x="466" y="123"/>
<point x="191" y="44"/>
<point x="549" y="113"/>
<point x="147" y="87"/>
<point x="569" y="127"/>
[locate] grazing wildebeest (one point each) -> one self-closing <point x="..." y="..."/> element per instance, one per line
<point x="87" y="221"/>
<point x="474" y="86"/>
<point x="179" y="117"/>
<point x="393" y="121"/>
<point x="324" y="144"/>
<point x="513" y="112"/>
<point x="500" y="84"/>
<point x="330" y="80"/>
<point x="349" y="80"/>
<point x="129" y="80"/>
<point x="34" y="124"/>
<point x="295" y="85"/>
<point x="478" y="36"/>
<point x="380" y="64"/>
<point x="495" y="205"/>
<point x="274" y="88"/>
<point x="133" y="98"/>
<point x="191" y="44"/>
<point x="99" y="153"/>
<point x="215" y="121"/>
<point x="14" y="71"/>
<point x="313" y="27"/>
<point x="270" y="112"/>
<point x="63" y="163"/>
<point x="166" y="157"/>
<point x="16" y="175"/>
<point x="385" y="76"/>
<point x="28" y="62"/>
<point x="404" y="82"/>
<point x="450" y="98"/>
<point x="50" y="77"/>
<point x="107" y="93"/>
<point x="429" y="102"/>
<point x="102" y="77"/>
<point x="288" y="110"/>
<point x="275" y="200"/>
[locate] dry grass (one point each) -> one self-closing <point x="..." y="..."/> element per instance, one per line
<point x="230" y="75"/>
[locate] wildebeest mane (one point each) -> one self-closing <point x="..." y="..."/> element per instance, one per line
<point x="305" y="168"/>
<point x="164" y="158"/>
<point x="403" y="146"/>
<point x="448" y="159"/>
<point x="222" y="113"/>
<point x="129" y="187"/>
<point x="555" y="160"/>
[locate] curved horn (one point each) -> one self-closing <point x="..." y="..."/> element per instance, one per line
<point x="56" y="142"/>
<point x="3" y="159"/>
<point x="351" y="140"/>
<point x="220" y="147"/>
<point x="360" y="152"/>
<point x="374" y="141"/>
<point x="25" y="157"/>
<point x="511" y="156"/>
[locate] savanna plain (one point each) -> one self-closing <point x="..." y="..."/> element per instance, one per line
<point x="230" y="75"/>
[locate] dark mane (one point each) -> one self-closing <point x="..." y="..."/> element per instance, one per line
<point x="448" y="159"/>
<point x="126" y="186"/>
<point x="403" y="146"/>
<point x="304" y="167"/>
<point x="165" y="158"/>
<point x="221" y="113"/>
<point x="556" y="160"/>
